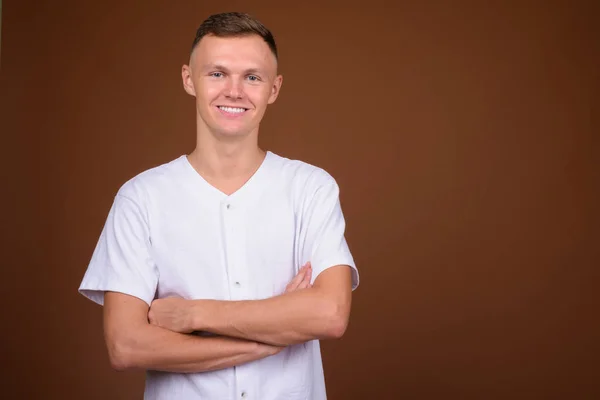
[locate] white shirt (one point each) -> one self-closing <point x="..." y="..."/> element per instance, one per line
<point x="170" y="233"/>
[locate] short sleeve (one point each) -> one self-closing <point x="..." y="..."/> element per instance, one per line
<point x="323" y="233"/>
<point x="121" y="261"/>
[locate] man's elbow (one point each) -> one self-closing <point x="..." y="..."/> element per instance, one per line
<point x="336" y="320"/>
<point x="337" y="329"/>
<point x="120" y="353"/>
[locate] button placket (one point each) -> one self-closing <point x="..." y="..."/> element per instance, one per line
<point x="230" y="243"/>
<point x="232" y="232"/>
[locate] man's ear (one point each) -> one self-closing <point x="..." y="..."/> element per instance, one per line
<point x="275" y="89"/>
<point x="188" y="84"/>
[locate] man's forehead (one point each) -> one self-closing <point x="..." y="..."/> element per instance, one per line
<point x="251" y="50"/>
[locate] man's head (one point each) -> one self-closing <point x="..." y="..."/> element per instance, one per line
<point x="232" y="73"/>
<point x="234" y="24"/>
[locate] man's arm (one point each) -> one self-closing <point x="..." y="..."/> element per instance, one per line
<point x="133" y="343"/>
<point x="317" y="312"/>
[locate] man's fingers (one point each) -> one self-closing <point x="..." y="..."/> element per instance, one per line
<point x="293" y="285"/>
<point x="307" y="278"/>
<point x="299" y="279"/>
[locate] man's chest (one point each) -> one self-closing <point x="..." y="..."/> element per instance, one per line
<point x="228" y="250"/>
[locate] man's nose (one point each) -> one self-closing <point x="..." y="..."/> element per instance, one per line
<point x="234" y="88"/>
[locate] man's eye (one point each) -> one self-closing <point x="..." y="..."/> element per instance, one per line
<point x="253" y="78"/>
<point x="217" y="74"/>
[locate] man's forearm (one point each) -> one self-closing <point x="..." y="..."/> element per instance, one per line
<point x="282" y="320"/>
<point x="304" y="312"/>
<point x="155" y="348"/>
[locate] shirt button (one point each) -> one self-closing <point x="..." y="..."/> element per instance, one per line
<point x="244" y="395"/>
<point x="228" y="206"/>
<point x="237" y="284"/>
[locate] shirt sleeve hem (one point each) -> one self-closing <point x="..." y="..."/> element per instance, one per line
<point x="95" y="292"/>
<point x="335" y="262"/>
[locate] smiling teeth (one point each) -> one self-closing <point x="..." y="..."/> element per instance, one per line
<point x="233" y="109"/>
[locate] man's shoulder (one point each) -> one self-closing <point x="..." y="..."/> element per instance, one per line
<point x="302" y="173"/>
<point x="155" y="180"/>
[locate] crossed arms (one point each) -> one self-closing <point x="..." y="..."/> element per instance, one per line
<point x="158" y="337"/>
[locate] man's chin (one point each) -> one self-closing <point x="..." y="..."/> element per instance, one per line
<point x="233" y="134"/>
<point x="233" y="131"/>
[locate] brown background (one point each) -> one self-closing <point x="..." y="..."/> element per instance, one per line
<point x="464" y="137"/>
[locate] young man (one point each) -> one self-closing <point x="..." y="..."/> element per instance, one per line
<point x="221" y="270"/>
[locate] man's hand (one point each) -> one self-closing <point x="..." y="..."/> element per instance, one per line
<point x="301" y="280"/>
<point x="172" y="313"/>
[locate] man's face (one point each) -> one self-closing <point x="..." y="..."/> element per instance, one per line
<point x="233" y="80"/>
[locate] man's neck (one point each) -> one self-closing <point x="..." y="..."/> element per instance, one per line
<point x="227" y="164"/>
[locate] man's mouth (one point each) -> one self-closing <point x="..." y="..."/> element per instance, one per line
<point x="232" y="110"/>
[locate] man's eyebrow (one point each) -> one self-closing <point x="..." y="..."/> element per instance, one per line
<point x="209" y="67"/>
<point x="253" y="71"/>
<point x="219" y="67"/>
